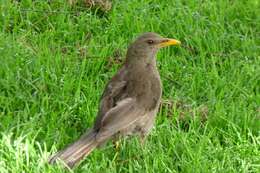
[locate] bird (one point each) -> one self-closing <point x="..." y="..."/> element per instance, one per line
<point x="129" y="103"/>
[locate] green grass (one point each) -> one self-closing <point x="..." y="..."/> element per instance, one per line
<point x="54" y="65"/>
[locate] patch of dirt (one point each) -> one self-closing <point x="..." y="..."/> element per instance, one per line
<point x="103" y="5"/>
<point x="185" y="110"/>
<point x="115" y="59"/>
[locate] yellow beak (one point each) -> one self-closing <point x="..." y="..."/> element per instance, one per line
<point x="169" y="42"/>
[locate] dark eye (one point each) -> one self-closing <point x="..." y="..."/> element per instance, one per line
<point x="150" y="42"/>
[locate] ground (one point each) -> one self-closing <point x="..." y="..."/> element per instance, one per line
<point x="56" y="59"/>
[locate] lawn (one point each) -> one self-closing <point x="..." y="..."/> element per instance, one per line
<point x="56" y="59"/>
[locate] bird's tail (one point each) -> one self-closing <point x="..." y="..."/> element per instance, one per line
<point x="77" y="150"/>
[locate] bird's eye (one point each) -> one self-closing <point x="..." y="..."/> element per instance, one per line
<point x="150" y="42"/>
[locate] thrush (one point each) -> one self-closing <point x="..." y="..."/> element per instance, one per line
<point x="129" y="103"/>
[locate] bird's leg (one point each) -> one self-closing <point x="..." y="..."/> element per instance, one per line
<point x="116" y="142"/>
<point x="116" y="145"/>
<point x="142" y="139"/>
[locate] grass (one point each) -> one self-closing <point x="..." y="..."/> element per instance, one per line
<point x="56" y="59"/>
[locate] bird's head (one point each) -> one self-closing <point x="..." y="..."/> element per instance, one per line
<point x="146" y="46"/>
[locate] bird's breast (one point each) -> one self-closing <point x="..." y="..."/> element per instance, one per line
<point x="146" y="88"/>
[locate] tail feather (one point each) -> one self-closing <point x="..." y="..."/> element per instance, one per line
<point x="77" y="150"/>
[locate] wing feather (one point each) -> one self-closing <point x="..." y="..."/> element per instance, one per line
<point x="123" y="115"/>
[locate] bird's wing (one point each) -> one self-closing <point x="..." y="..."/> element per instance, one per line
<point x="120" y="117"/>
<point x="113" y="93"/>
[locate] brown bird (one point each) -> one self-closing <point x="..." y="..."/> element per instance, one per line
<point x="129" y="102"/>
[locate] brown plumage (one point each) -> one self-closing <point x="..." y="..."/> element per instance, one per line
<point x="129" y="102"/>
